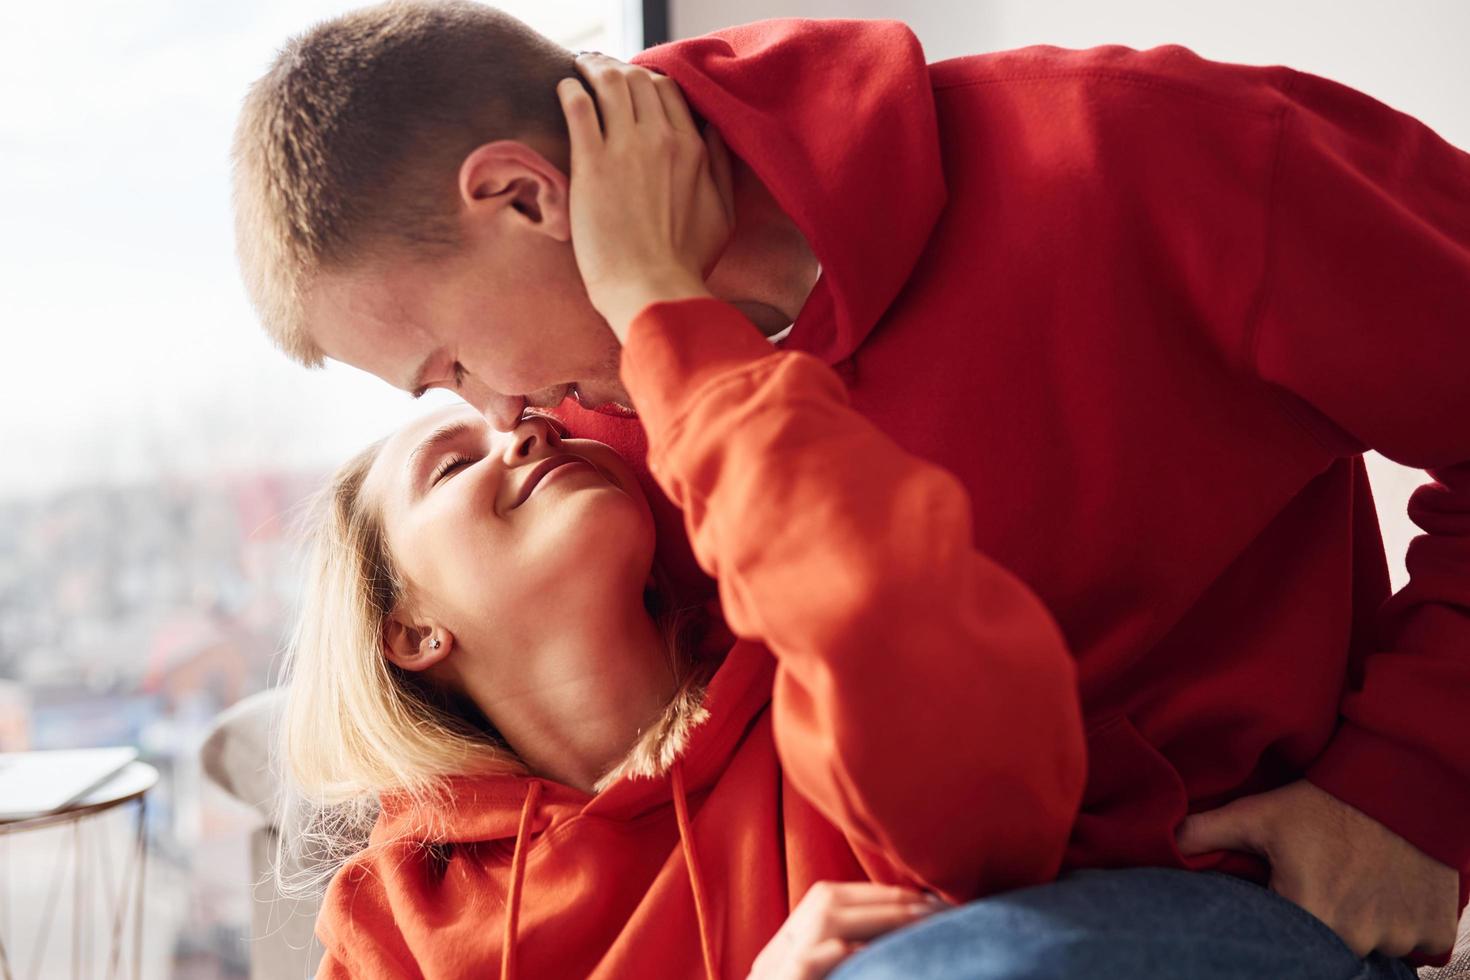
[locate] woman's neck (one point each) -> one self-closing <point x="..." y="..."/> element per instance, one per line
<point x="578" y="702"/>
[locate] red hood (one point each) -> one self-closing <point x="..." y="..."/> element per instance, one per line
<point x="837" y="118"/>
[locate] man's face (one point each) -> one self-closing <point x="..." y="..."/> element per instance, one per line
<point x="505" y="323"/>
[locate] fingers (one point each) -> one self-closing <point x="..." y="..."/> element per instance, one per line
<point x="648" y="105"/>
<point x="859" y="923"/>
<point x="675" y="108"/>
<point x="1404" y="938"/>
<point x="610" y="85"/>
<point x="1395" y="928"/>
<point x="860" y="910"/>
<point x="823" y="958"/>
<point x="1234" y="827"/>
<point x="1442" y="935"/>
<point x="1343" y="922"/>
<point x="581" y="114"/>
<point x="860" y="893"/>
<point x="629" y="94"/>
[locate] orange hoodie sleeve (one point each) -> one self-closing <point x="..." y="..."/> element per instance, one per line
<point x="331" y="968"/>
<point x="924" y="698"/>
<point x="1365" y="324"/>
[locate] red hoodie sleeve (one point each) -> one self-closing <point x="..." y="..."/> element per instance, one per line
<point x="924" y="699"/>
<point x="1366" y="322"/>
<point x="357" y="927"/>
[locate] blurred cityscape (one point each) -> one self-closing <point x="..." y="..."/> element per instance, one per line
<point x="132" y="616"/>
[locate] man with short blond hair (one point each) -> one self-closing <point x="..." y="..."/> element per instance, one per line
<point x="330" y="174"/>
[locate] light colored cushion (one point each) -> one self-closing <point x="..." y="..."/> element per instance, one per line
<point x="237" y="753"/>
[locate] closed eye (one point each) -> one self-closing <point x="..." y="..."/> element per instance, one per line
<point x="450" y="464"/>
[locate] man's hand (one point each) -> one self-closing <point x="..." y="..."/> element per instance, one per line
<point x="650" y="196"/>
<point x="1373" y="888"/>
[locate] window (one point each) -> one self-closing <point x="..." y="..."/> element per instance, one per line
<point x="155" y="445"/>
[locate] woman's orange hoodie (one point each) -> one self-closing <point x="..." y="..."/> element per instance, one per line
<point x="859" y="725"/>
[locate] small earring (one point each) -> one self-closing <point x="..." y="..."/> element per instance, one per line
<point x="434" y="643"/>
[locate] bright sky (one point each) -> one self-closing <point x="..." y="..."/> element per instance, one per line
<point x="129" y="348"/>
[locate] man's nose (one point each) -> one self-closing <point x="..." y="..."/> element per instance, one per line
<point x="501" y="411"/>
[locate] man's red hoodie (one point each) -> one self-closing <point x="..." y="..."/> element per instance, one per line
<point x="1149" y="310"/>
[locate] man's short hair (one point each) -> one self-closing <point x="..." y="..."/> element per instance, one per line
<point x="350" y="145"/>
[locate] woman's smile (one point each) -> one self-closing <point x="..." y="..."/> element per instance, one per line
<point x="570" y="466"/>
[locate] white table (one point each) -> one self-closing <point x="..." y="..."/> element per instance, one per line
<point x="93" y="873"/>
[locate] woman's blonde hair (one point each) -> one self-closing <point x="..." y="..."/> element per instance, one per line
<point x="355" y="726"/>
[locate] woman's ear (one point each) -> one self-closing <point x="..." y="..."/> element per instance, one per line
<point x="415" y="646"/>
<point x="508" y="179"/>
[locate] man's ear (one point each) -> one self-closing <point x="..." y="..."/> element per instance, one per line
<point x="511" y="175"/>
<point x="415" y="646"/>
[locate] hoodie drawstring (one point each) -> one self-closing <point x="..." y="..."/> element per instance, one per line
<point x="696" y="879"/>
<point x="517" y="877"/>
<point x="691" y="863"/>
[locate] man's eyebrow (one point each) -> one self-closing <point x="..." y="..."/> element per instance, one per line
<point x="441" y="435"/>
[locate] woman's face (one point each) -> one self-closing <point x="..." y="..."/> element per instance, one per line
<point x="505" y="538"/>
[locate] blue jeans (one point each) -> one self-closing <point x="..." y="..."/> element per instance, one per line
<point x="1134" y="924"/>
